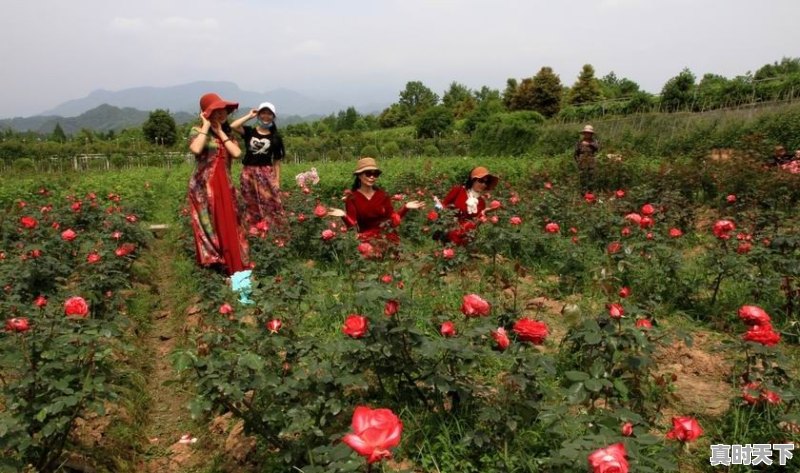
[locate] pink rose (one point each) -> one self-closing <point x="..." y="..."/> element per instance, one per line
<point x="225" y="309"/>
<point x="375" y="431"/>
<point x="675" y="233"/>
<point x="495" y="204"/>
<point x="619" y="193"/>
<point x="40" y="302"/>
<point x="448" y="253"/>
<point x="634" y="217"/>
<point x="320" y="211"/>
<point x="552" y="227"/>
<point x="616" y="311"/>
<point x="68" y="235"/>
<point x="18" y="325"/>
<point x="627" y="429"/>
<point x="731" y="198"/>
<point x="515" y="220"/>
<point x="501" y="338"/>
<point x="626" y="231"/>
<point x="647" y="210"/>
<point x="387" y="278"/>
<point x="328" y="234"/>
<point x="474" y="305"/>
<point x="92" y="257"/>
<point x="274" y="325"/>
<point x="76" y="306"/>
<point x="609" y="460"/>
<point x="624" y="292"/>
<point x="723" y="228"/>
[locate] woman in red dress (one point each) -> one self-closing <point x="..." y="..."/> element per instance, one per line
<point x="369" y="208"/>
<point x="219" y="238"/>
<point x="468" y="201"/>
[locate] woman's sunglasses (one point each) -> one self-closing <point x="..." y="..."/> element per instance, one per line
<point x="372" y="173"/>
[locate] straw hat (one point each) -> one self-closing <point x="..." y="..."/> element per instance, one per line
<point x="588" y="129"/>
<point x="366" y="164"/>
<point x="480" y="172"/>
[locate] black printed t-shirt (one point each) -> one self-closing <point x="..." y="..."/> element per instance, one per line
<point x="261" y="150"/>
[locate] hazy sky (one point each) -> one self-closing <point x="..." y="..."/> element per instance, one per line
<point x="361" y="51"/>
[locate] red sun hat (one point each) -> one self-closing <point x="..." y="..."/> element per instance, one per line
<point x="211" y="101"/>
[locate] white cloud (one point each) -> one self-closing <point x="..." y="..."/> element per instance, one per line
<point x="309" y="47"/>
<point x="189" y="24"/>
<point x="127" y="24"/>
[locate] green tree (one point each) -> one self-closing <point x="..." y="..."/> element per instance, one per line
<point x="393" y="116"/>
<point x="416" y="98"/>
<point x="510" y="92"/>
<point x="586" y="89"/>
<point x="58" y="134"/>
<point x="459" y="99"/>
<point x="346" y="119"/>
<point x="435" y="121"/>
<point x="513" y="133"/>
<point x="542" y="93"/>
<point x="678" y="92"/>
<point x="489" y="103"/>
<point x="160" y="128"/>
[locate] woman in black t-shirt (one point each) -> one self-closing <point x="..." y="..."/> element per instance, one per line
<point x="261" y="174"/>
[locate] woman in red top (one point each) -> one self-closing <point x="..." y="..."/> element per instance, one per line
<point x="468" y="201"/>
<point x="369" y="208"/>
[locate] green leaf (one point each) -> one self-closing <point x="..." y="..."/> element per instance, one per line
<point x="593" y="385"/>
<point x="576" y="375"/>
<point x="592" y="338"/>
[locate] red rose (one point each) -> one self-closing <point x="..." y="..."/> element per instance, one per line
<point x="647" y="210"/>
<point x="92" y="257"/>
<point x="474" y="305"/>
<point x="723" y="228"/>
<point x="515" y="220"/>
<point x="116" y="235"/>
<point x="448" y="329"/>
<point x="731" y="198"/>
<point x="624" y="292"/>
<point x="40" y="302"/>
<point x="18" y="325"/>
<point x="616" y="311"/>
<point x="131" y="218"/>
<point x="751" y="392"/>
<point x="609" y="460"/>
<point x="274" y="325"/>
<point x="744" y="247"/>
<point x="552" y="227"/>
<point x="675" y="233"/>
<point x="619" y="193"/>
<point x="448" y="253"/>
<point x="320" y="211"/>
<point x="754" y="315"/>
<point x="355" y="326"/>
<point x="770" y="397"/>
<point x="432" y="216"/>
<point x="76" y="306"/>
<point x="495" y="204"/>
<point x="375" y="431"/>
<point x="28" y="222"/>
<point x="649" y="235"/>
<point x="614" y="247"/>
<point x="514" y="199"/>
<point x="386" y="278"/>
<point x="685" y="429"/>
<point x="55" y="225"/>
<point x="548" y="185"/>
<point x="529" y="330"/>
<point x="626" y="231"/>
<point x="125" y="249"/>
<point x="68" y="235"/>
<point x="589" y="198"/>
<point x="366" y="250"/>
<point x="644" y="324"/>
<point x="76" y="207"/>
<point x="646" y="222"/>
<point x="225" y="309"/>
<point x="763" y="334"/>
<point x="494" y="219"/>
<point x="501" y="338"/>
<point x="328" y="234"/>
<point x="301" y="218"/>
<point x="627" y="429"/>
<point x="390" y="308"/>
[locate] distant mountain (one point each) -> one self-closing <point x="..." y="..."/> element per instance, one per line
<point x="102" y="118"/>
<point x="185" y="98"/>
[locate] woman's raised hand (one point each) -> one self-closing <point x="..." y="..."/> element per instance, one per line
<point x="415" y="204"/>
<point x="336" y="213"/>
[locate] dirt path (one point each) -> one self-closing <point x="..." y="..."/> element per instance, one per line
<point x="169" y="418"/>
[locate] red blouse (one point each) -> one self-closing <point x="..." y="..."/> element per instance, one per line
<point x="457" y="199"/>
<point x="369" y="214"/>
